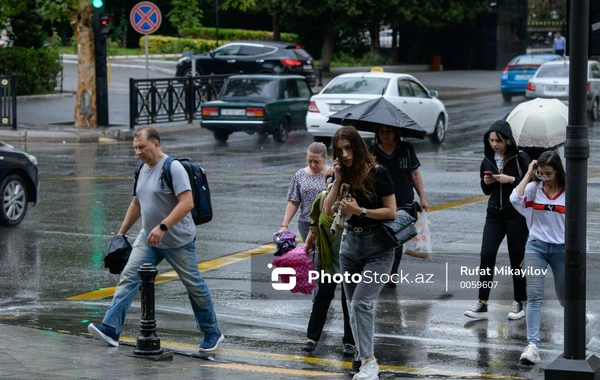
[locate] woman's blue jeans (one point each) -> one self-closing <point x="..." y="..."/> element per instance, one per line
<point x="538" y="255"/>
<point x="184" y="262"/>
<point x="364" y="253"/>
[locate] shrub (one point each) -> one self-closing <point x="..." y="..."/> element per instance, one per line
<point x="235" y="34"/>
<point x="174" y="45"/>
<point x="36" y="69"/>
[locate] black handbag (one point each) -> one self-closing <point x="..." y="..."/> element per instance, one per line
<point x="117" y="254"/>
<point x="400" y="230"/>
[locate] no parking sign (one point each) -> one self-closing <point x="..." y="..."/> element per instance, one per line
<point x="145" y="17"/>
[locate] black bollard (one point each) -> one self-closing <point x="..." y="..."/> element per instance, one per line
<point x="148" y="343"/>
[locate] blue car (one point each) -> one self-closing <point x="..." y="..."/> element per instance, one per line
<point x="519" y="70"/>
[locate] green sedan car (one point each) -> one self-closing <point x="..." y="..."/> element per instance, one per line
<point x="263" y="104"/>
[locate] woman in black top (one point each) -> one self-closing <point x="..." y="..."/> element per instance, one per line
<point x="362" y="250"/>
<point x="501" y="171"/>
<point x="399" y="158"/>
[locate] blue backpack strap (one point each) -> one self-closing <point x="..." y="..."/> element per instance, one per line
<point x="136" y="175"/>
<point x="166" y="173"/>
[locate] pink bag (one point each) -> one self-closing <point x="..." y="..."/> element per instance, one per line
<point x="302" y="263"/>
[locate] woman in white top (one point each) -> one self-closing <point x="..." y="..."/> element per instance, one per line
<point x="542" y="203"/>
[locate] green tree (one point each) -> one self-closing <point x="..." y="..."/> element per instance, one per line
<point x="185" y="15"/>
<point x="79" y="14"/>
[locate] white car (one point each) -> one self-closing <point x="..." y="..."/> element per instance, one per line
<point x="402" y="90"/>
<point x="551" y="80"/>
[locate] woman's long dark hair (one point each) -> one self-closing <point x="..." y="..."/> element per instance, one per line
<point x="357" y="176"/>
<point x="552" y="158"/>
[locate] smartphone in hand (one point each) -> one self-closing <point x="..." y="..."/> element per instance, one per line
<point x="488" y="173"/>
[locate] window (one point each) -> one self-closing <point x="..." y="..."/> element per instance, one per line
<point x="418" y="90"/>
<point x="595" y="72"/>
<point x="357" y="85"/>
<point x="291" y="91"/>
<point x="303" y="89"/>
<point x="404" y="88"/>
<point x="227" y="50"/>
<point x="550" y="71"/>
<point x="250" y="50"/>
<point x="251" y="88"/>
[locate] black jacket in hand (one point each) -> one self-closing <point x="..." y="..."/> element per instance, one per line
<point x="515" y="160"/>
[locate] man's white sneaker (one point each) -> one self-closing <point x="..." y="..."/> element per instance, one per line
<point x="369" y="370"/>
<point x="517" y="311"/>
<point x="590" y="321"/>
<point x="530" y="355"/>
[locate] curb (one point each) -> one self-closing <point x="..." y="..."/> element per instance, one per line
<point x="85" y="135"/>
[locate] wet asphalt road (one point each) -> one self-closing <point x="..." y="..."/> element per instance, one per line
<point x="56" y="253"/>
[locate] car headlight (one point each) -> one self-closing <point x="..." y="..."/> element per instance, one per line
<point x="31" y="158"/>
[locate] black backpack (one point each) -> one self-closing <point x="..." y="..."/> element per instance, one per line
<point x="202" y="211"/>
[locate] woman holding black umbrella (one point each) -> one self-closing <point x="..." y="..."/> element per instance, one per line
<point x="399" y="158"/>
<point x="362" y="248"/>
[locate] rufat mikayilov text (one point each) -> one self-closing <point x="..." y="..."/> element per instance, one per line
<point x="504" y="270"/>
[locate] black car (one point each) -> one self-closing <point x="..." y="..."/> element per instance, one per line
<point x="252" y="57"/>
<point x="19" y="184"/>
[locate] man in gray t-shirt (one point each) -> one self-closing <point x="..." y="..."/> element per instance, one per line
<point x="168" y="232"/>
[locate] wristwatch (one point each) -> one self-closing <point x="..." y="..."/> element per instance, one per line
<point x="163" y="227"/>
<point x="363" y="213"/>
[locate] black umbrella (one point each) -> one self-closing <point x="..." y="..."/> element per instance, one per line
<point x="117" y="253"/>
<point x="366" y="116"/>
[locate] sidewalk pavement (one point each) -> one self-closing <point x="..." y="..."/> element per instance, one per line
<point x="50" y="118"/>
<point x="30" y="354"/>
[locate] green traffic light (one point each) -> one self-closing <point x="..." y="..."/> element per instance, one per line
<point x="97" y="3"/>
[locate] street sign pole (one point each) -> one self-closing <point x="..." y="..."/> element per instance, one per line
<point x="573" y="364"/>
<point x="146" y="49"/>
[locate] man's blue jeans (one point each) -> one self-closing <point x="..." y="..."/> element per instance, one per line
<point x="538" y="255"/>
<point x="183" y="260"/>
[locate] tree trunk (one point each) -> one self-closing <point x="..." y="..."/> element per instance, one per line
<point x="85" y="100"/>
<point x="327" y="50"/>
<point x="276" y="28"/>
<point x="374" y="33"/>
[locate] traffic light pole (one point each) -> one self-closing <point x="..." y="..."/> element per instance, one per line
<point x="573" y="363"/>
<point x="101" y="71"/>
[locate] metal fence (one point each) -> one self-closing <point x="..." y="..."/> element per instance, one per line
<point x="8" y="101"/>
<point x="167" y="100"/>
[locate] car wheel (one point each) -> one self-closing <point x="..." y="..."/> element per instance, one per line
<point x="280" y="134"/>
<point x="595" y="109"/>
<point x="221" y="135"/>
<point x="14" y="201"/>
<point x="507" y="97"/>
<point x="322" y="139"/>
<point x="187" y="72"/>
<point x="439" y="134"/>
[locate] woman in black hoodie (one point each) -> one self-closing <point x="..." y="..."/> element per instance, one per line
<point x="507" y="165"/>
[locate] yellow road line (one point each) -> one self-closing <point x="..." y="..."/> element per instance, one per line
<point x="172" y="275"/>
<point x="237" y="257"/>
<point x="321" y="362"/>
<point x="445" y="206"/>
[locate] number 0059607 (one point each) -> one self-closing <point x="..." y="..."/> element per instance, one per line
<point x="478" y="284"/>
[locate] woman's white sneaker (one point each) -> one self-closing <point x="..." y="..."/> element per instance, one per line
<point x="369" y="370"/>
<point x="517" y="311"/>
<point x="479" y="311"/>
<point x="530" y="355"/>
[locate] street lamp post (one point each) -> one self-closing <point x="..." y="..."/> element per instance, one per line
<point x="573" y="364"/>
